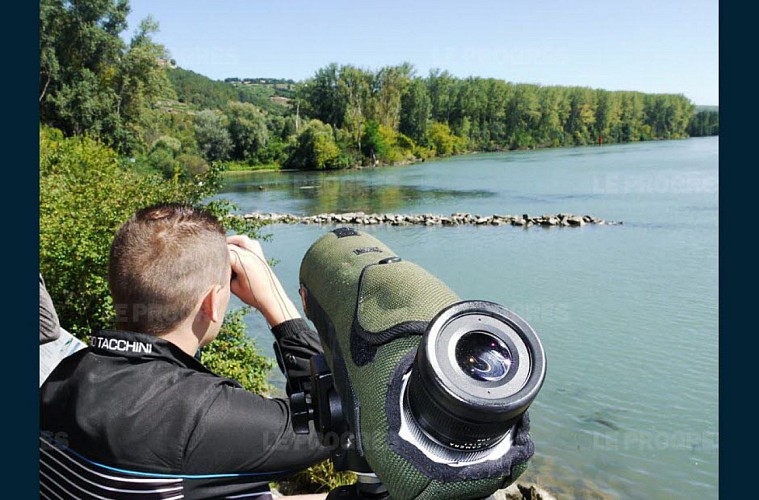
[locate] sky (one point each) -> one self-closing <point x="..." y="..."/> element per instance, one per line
<point x="662" y="46"/>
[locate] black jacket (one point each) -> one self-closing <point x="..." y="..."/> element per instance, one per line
<point x="134" y="412"/>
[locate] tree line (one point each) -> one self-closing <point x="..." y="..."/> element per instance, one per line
<point x="450" y="114"/>
<point x="176" y="122"/>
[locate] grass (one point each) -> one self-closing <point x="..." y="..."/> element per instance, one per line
<point x="239" y="166"/>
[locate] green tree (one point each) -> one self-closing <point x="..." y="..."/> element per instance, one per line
<point x="322" y="97"/>
<point x="523" y="115"/>
<point x="314" y="148"/>
<point x="390" y="83"/>
<point x="90" y="80"/>
<point x="704" y="123"/>
<point x="355" y="85"/>
<point x="247" y="129"/>
<point x="442" y="139"/>
<point x="416" y="108"/>
<point x="140" y="85"/>
<point x="608" y="115"/>
<point x="212" y="135"/>
<point x="582" y="116"/>
<point x="631" y="124"/>
<point x="374" y="144"/>
<point x="440" y="85"/>
<point x="554" y="109"/>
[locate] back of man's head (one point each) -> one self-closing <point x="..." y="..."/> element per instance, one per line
<point x="162" y="262"/>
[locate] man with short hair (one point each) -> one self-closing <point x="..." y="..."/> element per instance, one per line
<point x="136" y="413"/>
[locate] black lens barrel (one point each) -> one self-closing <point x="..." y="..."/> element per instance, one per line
<point x="477" y="370"/>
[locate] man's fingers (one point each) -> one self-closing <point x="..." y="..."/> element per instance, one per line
<point x="234" y="262"/>
<point x="245" y="242"/>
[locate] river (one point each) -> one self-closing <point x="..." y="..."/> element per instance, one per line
<point x="628" y="314"/>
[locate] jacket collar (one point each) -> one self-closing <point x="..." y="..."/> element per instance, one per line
<point x="141" y="346"/>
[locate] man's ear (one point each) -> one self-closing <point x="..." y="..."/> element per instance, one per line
<point x="212" y="304"/>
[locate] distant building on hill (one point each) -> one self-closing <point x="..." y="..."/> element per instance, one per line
<point x="167" y="63"/>
<point x="281" y="83"/>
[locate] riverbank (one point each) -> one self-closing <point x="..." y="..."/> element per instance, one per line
<point x="455" y="219"/>
<point x="243" y="168"/>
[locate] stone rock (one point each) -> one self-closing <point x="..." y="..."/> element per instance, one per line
<point x="522" y="491"/>
<point x="561" y="219"/>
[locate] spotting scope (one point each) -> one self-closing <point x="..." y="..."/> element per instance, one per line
<point x="428" y="393"/>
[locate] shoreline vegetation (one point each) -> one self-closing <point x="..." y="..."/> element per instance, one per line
<point x="232" y="168"/>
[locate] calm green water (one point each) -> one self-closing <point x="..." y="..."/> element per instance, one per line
<point x="628" y="314"/>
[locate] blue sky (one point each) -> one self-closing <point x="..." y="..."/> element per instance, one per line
<point x="650" y="46"/>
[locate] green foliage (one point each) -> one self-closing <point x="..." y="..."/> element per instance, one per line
<point x="704" y="123"/>
<point x="168" y="143"/>
<point x="162" y="160"/>
<point x="239" y="166"/>
<point x="90" y="80"/>
<point x="319" y="478"/>
<point x="383" y="145"/>
<point x="192" y="166"/>
<point x="322" y="97"/>
<point x="373" y="145"/>
<point x="314" y="148"/>
<point x="443" y="140"/>
<point x="201" y="92"/>
<point x="212" y="135"/>
<point x="85" y="195"/>
<point x="166" y="157"/>
<point x="247" y="129"/>
<point x="415" y="111"/>
<point x="482" y="113"/>
<point x="274" y="100"/>
<point x="234" y="355"/>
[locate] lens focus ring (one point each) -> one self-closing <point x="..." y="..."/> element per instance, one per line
<point x="476" y="371"/>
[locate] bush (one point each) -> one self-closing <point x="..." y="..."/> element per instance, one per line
<point x="85" y="195"/>
<point x="234" y="355"/>
<point x="319" y="478"/>
<point x="192" y="166"/>
<point x="314" y="148"/>
<point x="443" y="140"/>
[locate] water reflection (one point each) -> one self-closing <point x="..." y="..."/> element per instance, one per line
<point x="323" y="193"/>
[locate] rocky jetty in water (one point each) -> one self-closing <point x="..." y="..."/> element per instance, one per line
<point x="361" y="218"/>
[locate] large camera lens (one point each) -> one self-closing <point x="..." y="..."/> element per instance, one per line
<point x="483" y="356"/>
<point x="476" y="371"/>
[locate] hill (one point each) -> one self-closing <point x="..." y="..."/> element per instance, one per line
<point x="201" y="92"/>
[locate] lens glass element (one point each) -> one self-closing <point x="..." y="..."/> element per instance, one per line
<point x="483" y="356"/>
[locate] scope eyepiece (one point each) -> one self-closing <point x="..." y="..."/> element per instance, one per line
<point x="477" y="369"/>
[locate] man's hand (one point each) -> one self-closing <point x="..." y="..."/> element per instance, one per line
<point x="255" y="283"/>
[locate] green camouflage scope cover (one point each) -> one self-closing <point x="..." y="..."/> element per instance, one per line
<point x="377" y="313"/>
